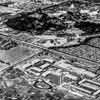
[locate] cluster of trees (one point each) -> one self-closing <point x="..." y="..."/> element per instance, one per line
<point x="43" y="22"/>
<point x="88" y="27"/>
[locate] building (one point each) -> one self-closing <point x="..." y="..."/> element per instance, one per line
<point x="95" y="86"/>
<point x="67" y="76"/>
<point x="71" y="68"/>
<point x="54" y="76"/>
<point x="86" y="88"/>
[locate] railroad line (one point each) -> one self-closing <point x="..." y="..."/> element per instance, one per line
<point x="93" y="46"/>
<point x="78" y="57"/>
<point x="59" y="53"/>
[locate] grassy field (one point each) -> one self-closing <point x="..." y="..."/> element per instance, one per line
<point x="16" y="54"/>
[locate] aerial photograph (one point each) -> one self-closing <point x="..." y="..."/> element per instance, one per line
<point x="49" y="49"/>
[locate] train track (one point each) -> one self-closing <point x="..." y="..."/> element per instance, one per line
<point x="93" y="46"/>
<point x="57" y="52"/>
<point x="60" y="52"/>
<point x="93" y="37"/>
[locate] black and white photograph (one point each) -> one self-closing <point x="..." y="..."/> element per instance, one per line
<point x="49" y="49"/>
